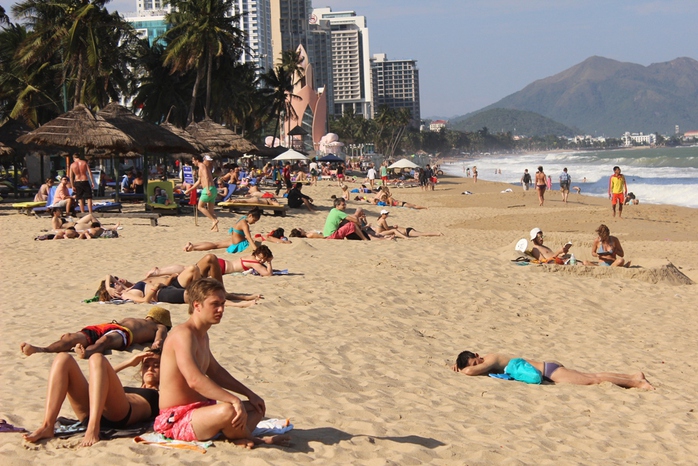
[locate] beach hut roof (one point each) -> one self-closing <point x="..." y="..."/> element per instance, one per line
<point x="79" y="128"/>
<point x="181" y="132"/>
<point x="150" y="137"/>
<point x="219" y="139"/>
<point x="298" y="131"/>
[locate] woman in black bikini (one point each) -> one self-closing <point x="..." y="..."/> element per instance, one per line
<point x="121" y="406"/>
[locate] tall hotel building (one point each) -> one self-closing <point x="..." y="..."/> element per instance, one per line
<point x="351" y="68"/>
<point x="255" y="22"/>
<point x="396" y="84"/>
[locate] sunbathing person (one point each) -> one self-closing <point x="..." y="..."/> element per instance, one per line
<point x="301" y="233"/>
<point x="59" y="223"/>
<point x="260" y="260"/>
<point x="382" y="227"/>
<point x="256" y="200"/>
<point x="544" y="253"/>
<point x="274" y="236"/>
<point x="472" y="364"/>
<point x="255" y="192"/>
<point x="608" y="249"/>
<point x="102" y="401"/>
<point x="170" y="288"/>
<point x="115" y="335"/>
<point x="384" y="198"/>
<point x="240" y="239"/>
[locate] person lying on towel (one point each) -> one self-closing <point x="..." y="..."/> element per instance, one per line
<point x="114" y="335"/>
<point x="472" y="364"/>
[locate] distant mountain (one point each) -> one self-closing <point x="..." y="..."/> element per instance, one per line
<point x="603" y="96"/>
<point x="503" y="120"/>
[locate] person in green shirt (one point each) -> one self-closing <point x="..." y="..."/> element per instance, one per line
<point x="384" y="174"/>
<point x="340" y="225"/>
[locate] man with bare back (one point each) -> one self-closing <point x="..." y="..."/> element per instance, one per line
<point x="196" y="399"/>
<point x="81" y="180"/>
<point x="114" y="335"/>
<point x="208" y="189"/>
<point x="472" y="364"/>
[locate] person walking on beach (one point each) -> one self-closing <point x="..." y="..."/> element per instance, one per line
<point x="472" y="364"/>
<point x="371" y="177"/>
<point x="81" y="180"/>
<point x="526" y="180"/>
<point x="197" y="395"/>
<point x="474" y="174"/>
<point x="384" y="174"/>
<point x="541" y="184"/>
<point x="208" y="189"/>
<point x="565" y="180"/>
<point x="617" y="190"/>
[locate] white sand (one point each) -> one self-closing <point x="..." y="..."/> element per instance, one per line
<point x="355" y="345"/>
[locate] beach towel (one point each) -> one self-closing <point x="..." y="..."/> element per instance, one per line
<point x="66" y="428"/>
<point x="508" y="190"/>
<point x="272" y="427"/>
<point x="274" y="272"/>
<point x="466" y="192"/>
<point x="159" y="440"/>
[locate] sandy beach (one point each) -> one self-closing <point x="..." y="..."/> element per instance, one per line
<point x="355" y="344"/>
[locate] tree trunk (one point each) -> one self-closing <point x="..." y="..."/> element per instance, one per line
<point x="190" y="118"/>
<point x="78" y="82"/>
<point x="209" y="66"/>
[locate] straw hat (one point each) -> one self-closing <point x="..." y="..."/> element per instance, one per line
<point x="161" y="315"/>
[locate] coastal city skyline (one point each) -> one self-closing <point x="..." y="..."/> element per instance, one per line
<point x="496" y="48"/>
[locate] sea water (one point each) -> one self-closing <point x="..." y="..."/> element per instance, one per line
<point x="655" y="176"/>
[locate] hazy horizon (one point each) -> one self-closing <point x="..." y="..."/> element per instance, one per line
<point x="497" y="47"/>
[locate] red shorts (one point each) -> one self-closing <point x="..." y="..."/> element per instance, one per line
<point x="343" y="231"/>
<point x="617" y="197"/>
<point x="340" y="176"/>
<point x="384" y="179"/>
<point x="175" y="422"/>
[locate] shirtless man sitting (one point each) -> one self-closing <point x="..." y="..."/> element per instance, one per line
<point x="114" y="335"/>
<point x="196" y="399"/>
<point x="544" y="253"/>
<point x="472" y="364"/>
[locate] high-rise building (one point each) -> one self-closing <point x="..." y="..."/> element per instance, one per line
<point x="149" y="19"/>
<point x="396" y="84"/>
<point x="289" y="25"/>
<point x="256" y="23"/>
<point x="320" y="56"/>
<point x="351" y="69"/>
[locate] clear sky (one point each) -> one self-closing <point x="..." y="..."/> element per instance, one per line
<point x="471" y="53"/>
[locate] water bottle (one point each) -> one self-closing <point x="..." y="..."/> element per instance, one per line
<point x="573" y="260"/>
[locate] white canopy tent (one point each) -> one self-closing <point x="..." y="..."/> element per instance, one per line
<point x="403" y="163"/>
<point x="291" y="155"/>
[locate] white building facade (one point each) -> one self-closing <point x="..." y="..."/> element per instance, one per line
<point x="396" y="85"/>
<point x="255" y="22"/>
<point x="351" y="66"/>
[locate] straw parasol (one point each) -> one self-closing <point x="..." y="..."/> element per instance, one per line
<point x="219" y="139"/>
<point x="79" y="128"/>
<point x="150" y="137"/>
<point x="184" y="135"/>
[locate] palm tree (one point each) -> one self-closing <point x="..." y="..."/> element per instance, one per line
<point x="279" y="90"/>
<point x="201" y="31"/>
<point x="90" y="44"/>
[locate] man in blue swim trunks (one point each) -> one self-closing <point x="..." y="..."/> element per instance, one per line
<point x="472" y="364"/>
<point x="208" y="188"/>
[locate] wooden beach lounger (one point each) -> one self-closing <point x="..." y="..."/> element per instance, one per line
<point x="245" y="206"/>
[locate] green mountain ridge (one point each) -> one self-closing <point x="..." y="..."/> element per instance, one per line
<point x="607" y="97"/>
<point x="518" y="122"/>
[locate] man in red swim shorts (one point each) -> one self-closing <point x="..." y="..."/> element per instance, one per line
<point x="617" y="190"/>
<point x="197" y="395"/>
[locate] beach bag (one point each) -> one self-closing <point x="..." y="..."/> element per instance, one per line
<point x="519" y="369"/>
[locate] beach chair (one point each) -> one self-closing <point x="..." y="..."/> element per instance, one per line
<point x="97" y="206"/>
<point x="26" y="207"/>
<point x="166" y="186"/>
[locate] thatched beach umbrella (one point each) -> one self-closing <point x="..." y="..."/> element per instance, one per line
<point x="151" y="138"/>
<point x="219" y="139"/>
<point x="184" y="135"/>
<point x="80" y="129"/>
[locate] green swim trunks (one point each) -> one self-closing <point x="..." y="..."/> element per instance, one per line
<point x="209" y="194"/>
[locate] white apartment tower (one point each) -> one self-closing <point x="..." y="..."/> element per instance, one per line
<point x="255" y="22"/>
<point x="396" y="84"/>
<point x="351" y="67"/>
